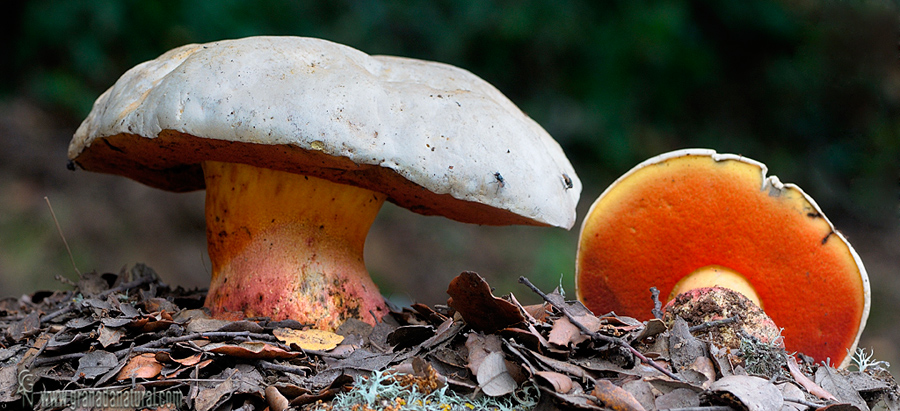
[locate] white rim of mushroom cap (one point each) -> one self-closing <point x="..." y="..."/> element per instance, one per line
<point x="438" y="126"/>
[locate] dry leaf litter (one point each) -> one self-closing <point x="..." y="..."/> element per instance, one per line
<point x="131" y="333"/>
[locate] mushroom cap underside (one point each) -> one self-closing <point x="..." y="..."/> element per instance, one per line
<point x="300" y="105"/>
<point x="694" y="208"/>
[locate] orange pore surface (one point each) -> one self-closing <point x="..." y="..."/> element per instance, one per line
<point x="668" y="219"/>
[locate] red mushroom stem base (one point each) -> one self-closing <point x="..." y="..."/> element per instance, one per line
<point x="285" y="245"/>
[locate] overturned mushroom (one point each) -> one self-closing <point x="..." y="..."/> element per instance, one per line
<point x="299" y="141"/>
<point x="695" y="218"/>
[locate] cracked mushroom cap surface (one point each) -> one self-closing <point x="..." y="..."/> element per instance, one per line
<point x="679" y="212"/>
<point x="434" y="138"/>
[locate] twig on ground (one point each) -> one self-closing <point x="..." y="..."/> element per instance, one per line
<point x="293" y="369"/>
<point x="713" y="324"/>
<point x="598" y="336"/>
<point x="69" y="307"/>
<point x="804" y="402"/>
<point x="152" y="345"/>
<point x="512" y="347"/>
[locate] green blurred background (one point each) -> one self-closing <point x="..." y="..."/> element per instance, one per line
<point x="811" y="88"/>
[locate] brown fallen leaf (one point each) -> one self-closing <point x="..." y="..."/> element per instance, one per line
<point x="430" y="314"/>
<point x="276" y="401"/>
<point x="653" y="327"/>
<point x="479" y="346"/>
<point x="704" y="366"/>
<point x="211" y="396"/>
<point x="184" y="369"/>
<point x="564" y="332"/>
<point x="141" y="366"/>
<point x="471" y="296"/>
<point x="830" y="380"/>
<point x="678" y="398"/>
<point x="560" y="383"/>
<point x="745" y="392"/>
<point x="312" y="340"/>
<point x="109" y="335"/>
<point x="252" y="350"/>
<point x="538" y="312"/>
<point x="642" y="391"/>
<point x="202" y="325"/>
<point x="189" y="361"/>
<point x="152" y="322"/>
<point x="615" y="398"/>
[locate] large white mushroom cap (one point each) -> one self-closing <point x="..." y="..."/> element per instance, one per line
<point x="435" y="138"/>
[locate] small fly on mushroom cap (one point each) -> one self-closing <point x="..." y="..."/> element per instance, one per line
<point x="299" y="141"/>
<point x="694" y="218"/>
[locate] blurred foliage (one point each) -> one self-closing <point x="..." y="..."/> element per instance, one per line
<point x="812" y="88"/>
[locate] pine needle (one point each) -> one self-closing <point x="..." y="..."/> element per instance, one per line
<point x="59" y="229"/>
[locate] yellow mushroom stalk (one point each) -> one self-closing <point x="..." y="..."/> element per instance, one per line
<point x="288" y="246"/>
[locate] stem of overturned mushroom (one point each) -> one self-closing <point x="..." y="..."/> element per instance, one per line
<point x="598" y="336"/>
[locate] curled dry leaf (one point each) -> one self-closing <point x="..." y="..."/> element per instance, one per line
<point x="471" y="296"/>
<point x="253" y="350"/>
<point x="166" y="357"/>
<point x="189" y="361"/>
<point x="538" y="312"/>
<point x="560" y="383"/>
<point x="615" y="398"/>
<point x="653" y="327"/>
<point x="704" y="366"/>
<point x="141" y="366"/>
<point x="276" y="401"/>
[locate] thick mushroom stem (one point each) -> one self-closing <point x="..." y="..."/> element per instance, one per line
<point x="716" y="276"/>
<point x="285" y="245"/>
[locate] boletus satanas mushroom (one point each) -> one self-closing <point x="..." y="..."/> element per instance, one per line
<point x="299" y="141"/>
<point x="694" y="218"/>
